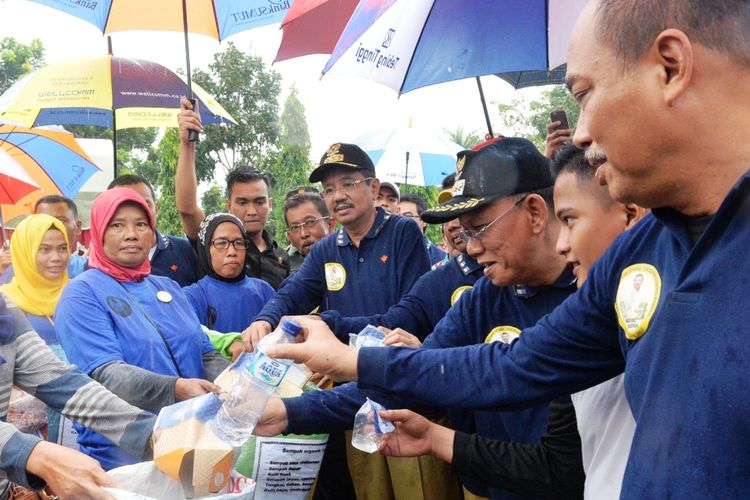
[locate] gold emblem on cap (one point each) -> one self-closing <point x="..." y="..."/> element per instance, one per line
<point x="333" y="155"/>
<point x="460" y="167"/>
<point x="164" y="296"/>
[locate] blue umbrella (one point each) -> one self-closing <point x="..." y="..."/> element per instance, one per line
<point x="409" y="44"/>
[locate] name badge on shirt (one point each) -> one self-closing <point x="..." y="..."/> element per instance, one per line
<point x="637" y="296"/>
<point x="335" y="276"/>
<point x="458" y="292"/>
<point x="505" y="334"/>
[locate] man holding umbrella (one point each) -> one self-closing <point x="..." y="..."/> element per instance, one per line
<point x="247" y="198"/>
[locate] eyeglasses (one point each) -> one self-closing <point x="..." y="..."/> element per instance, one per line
<point x="346" y="187"/>
<point x="308" y="224"/>
<point x="222" y="244"/>
<point x="478" y="234"/>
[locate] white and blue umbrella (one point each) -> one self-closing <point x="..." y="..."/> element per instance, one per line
<point x="409" y="44"/>
<point x="407" y="155"/>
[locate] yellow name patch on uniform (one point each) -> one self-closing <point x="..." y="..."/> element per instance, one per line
<point x="335" y="276"/>
<point x="505" y="334"/>
<point x="458" y="292"/>
<point x="637" y="296"/>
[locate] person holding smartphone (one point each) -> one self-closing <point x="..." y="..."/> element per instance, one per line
<point x="558" y="133"/>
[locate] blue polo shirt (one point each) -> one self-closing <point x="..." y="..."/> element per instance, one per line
<point x="354" y="280"/>
<point x="419" y="310"/>
<point x="99" y="320"/>
<point x="174" y="258"/>
<point x="494" y="314"/>
<point x="228" y="307"/>
<point x="679" y="331"/>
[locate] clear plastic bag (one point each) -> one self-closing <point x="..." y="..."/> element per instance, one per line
<point x="369" y="336"/>
<point x="144" y="481"/>
<point x="369" y="428"/>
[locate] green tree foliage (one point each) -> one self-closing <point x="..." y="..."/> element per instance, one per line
<point x="291" y="166"/>
<point x="214" y="200"/>
<point x="467" y="139"/>
<point x="294" y="130"/>
<point x="164" y="158"/>
<point x="249" y="92"/>
<point x="529" y="119"/>
<point x="17" y="59"/>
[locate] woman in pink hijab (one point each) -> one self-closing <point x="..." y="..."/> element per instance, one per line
<point x="135" y="333"/>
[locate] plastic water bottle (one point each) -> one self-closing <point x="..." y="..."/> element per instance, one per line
<point x="259" y="378"/>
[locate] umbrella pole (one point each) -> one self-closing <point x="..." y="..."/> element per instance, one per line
<point x="406" y="171"/>
<point x="484" y="107"/>
<point x="193" y="135"/>
<point x="114" y="121"/>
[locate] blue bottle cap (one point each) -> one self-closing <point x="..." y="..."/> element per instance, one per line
<point x="291" y="327"/>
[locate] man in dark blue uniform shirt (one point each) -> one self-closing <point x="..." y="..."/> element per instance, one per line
<point x="664" y="89"/>
<point x="363" y="268"/>
<point x="171" y="256"/>
<point x="507" y="185"/>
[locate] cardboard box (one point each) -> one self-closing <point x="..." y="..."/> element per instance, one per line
<point x="187" y="450"/>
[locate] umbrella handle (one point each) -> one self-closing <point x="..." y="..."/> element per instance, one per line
<point x="193" y="135"/>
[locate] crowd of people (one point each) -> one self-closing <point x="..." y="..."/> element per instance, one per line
<point x="579" y="332"/>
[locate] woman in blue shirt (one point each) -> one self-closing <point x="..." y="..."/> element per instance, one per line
<point x="135" y="333"/>
<point x="225" y="299"/>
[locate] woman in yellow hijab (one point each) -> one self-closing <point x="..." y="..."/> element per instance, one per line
<point x="39" y="250"/>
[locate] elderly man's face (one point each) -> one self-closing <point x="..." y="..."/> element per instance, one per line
<point x="623" y="120"/>
<point x="504" y="246"/>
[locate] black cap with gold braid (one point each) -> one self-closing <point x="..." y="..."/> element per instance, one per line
<point x="343" y="155"/>
<point x="495" y="169"/>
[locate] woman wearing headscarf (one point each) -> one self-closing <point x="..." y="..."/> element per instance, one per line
<point x="135" y="333"/>
<point x="39" y="250"/>
<point x="225" y="299"/>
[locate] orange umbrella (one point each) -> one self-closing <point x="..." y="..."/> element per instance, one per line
<point x="52" y="160"/>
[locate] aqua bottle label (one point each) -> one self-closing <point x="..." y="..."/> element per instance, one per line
<point x="268" y="370"/>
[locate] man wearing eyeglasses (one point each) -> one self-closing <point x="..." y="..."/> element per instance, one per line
<point x="307" y="221"/>
<point x="362" y="269"/>
<point x="503" y="197"/>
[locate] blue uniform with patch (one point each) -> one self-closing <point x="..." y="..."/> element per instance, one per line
<point x="483" y="311"/>
<point x="419" y="310"/>
<point x="225" y="306"/>
<point x="685" y="354"/>
<point x="481" y="317"/>
<point x="99" y="320"/>
<point x="354" y="280"/>
<point x="174" y="258"/>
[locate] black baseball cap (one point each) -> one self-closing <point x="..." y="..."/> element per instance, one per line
<point x="343" y="155"/>
<point x="495" y="169"/>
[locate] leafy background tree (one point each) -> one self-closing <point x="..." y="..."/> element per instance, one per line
<point x="17" y="59"/>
